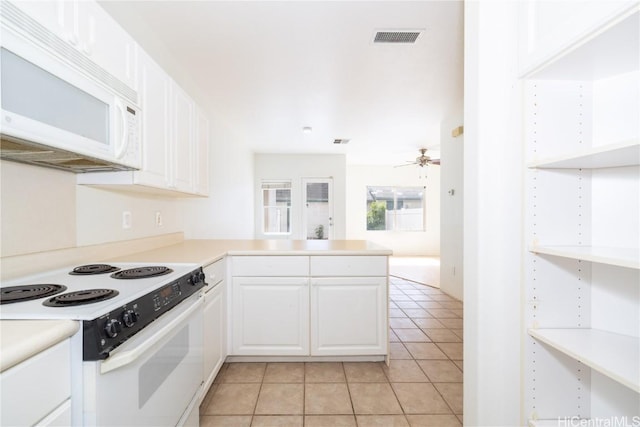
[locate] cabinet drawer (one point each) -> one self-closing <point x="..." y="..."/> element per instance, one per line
<point x="275" y="266"/>
<point x="215" y="273"/>
<point x="34" y="388"/>
<point x="323" y="266"/>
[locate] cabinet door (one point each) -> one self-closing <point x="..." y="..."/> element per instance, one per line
<point x="33" y="389"/>
<point x="90" y="30"/>
<point x="182" y="146"/>
<point x="213" y="330"/>
<point x="201" y="160"/>
<point x="348" y="316"/>
<point x="271" y="316"/>
<point x="46" y="13"/>
<point x="103" y="40"/>
<point x="154" y="92"/>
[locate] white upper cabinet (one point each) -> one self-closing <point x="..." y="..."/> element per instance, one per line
<point x="182" y="147"/>
<point x="154" y="93"/>
<point x="201" y="161"/>
<point x="106" y="43"/>
<point x="175" y="131"/>
<point x="91" y="31"/>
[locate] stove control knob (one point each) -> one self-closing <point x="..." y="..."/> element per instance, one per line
<point x="196" y="278"/>
<point x="129" y="318"/>
<point x="112" y="328"/>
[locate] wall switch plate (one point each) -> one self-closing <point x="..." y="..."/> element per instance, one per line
<point x="126" y="219"/>
<point x="158" y="219"/>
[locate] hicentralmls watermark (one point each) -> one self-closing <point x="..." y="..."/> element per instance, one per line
<point x="599" y="422"/>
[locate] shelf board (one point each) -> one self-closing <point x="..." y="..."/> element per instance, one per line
<point x="625" y="153"/>
<point x="611" y="49"/>
<point x="613" y="355"/>
<point x="621" y="257"/>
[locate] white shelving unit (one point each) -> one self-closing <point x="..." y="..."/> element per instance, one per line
<point x="614" y="355"/>
<point x="581" y="76"/>
<point x="625" y="153"/>
<point x="621" y="257"/>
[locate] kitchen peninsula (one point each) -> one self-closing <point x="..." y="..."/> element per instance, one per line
<point x="294" y="299"/>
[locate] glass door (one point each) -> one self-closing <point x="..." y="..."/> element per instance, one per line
<point x="318" y="208"/>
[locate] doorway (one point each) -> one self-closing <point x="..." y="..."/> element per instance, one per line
<point x="317" y="213"/>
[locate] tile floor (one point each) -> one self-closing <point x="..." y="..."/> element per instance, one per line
<point x="421" y="387"/>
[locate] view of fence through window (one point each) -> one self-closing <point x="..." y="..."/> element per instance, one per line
<point x="395" y="208"/>
<point x="276" y="205"/>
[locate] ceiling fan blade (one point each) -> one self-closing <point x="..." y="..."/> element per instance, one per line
<point x="408" y="164"/>
<point x="435" y="162"/>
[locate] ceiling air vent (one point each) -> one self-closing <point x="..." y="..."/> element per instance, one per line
<point x="396" y="36"/>
<point x="341" y="141"/>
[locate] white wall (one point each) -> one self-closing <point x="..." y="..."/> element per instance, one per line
<point x="43" y="209"/>
<point x="403" y="243"/>
<point x="99" y="215"/>
<point x="451" y="208"/>
<point x="493" y="217"/>
<point x="228" y="211"/>
<point x="37" y="209"/>
<point x="295" y="167"/>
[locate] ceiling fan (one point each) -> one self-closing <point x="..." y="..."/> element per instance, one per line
<point x="422" y="160"/>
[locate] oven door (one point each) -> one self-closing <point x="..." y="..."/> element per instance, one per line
<point x="153" y="378"/>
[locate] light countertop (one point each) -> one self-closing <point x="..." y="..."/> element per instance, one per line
<point x="21" y="339"/>
<point x="205" y="252"/>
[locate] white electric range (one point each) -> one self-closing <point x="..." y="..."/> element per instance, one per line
<point x="137" y="358"/>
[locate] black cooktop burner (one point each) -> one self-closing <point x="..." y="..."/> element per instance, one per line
<point x="93" y="269"/>
<point x="89" y="296"/>
<point x="142" y="272"/>
<point x="21" y="293"/>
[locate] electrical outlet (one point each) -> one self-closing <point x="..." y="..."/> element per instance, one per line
<point x="126" y="219"/>
<point x="158" y="219"/>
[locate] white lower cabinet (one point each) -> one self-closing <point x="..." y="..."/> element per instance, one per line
<point x="348" y="316"/>
<point x="215" y="323"/>
<point x="309" y="306"/>
<point x="214" y="328"/>
<point x="40" y="389"/>
<point x="270" y="316"/>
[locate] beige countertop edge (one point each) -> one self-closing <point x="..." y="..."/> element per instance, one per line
<point x="205" y="252"/>
<point x="308" y="252"/>
<point x="22" y="339"/>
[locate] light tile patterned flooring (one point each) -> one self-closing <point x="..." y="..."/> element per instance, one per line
<point x="421" y="387"/>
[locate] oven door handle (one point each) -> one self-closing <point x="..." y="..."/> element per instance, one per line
<point x="129" y="356"/>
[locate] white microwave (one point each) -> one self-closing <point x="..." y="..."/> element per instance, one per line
<point x="59" y="109"/>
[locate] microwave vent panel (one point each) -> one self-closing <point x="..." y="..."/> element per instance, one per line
<point x="16" y="18"/>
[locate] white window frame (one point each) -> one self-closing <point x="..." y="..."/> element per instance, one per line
<point x="394" y="225"/>
<point x="263" y="206"/>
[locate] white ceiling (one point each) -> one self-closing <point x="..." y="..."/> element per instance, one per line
<point x="267" y="69"/>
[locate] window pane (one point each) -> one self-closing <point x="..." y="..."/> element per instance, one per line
<point x="395" y="208"/>
<point x="276" y="203"/>
<point x="317" y="210"/>
<point x="379" y="200"/>
<point x="409" y="209"/>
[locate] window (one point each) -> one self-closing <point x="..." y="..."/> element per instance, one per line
<point x="276" y="206"/>
<point x="395" y="208"/>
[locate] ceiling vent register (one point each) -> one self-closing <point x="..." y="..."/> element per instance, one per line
<point x="396" y="36"/>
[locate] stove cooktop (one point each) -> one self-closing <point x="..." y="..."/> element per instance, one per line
<point x="86" y="283"/>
